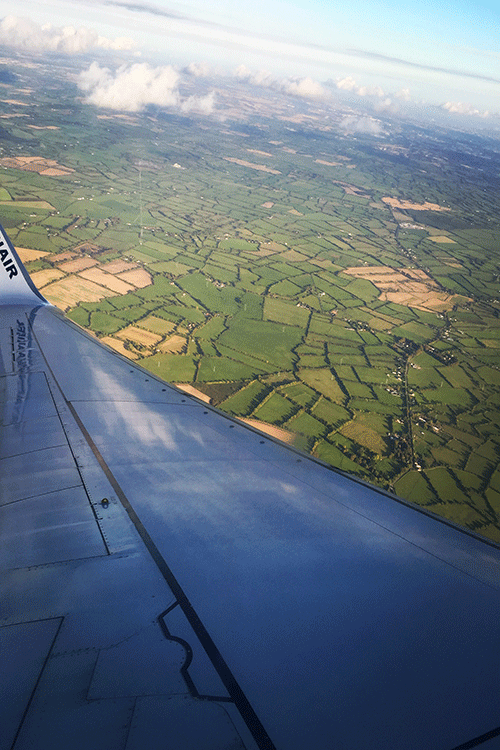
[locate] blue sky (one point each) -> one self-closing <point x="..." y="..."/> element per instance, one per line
<point x="436" y="50"/>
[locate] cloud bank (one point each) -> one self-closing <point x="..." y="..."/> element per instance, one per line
<point x="349" y="84"/>
<point x="28" y="35"/>
<point x="304" y="88"/>
<point x="463" y="108"/>
<point x="132" y="88"/>
<point x="381" y="101"/>
<point x="353" y="124"/>
<point x="197" y="70"/>
<point x="196" y="27"/>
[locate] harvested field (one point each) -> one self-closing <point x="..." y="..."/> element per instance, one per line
<point x="137" y="277"/>
<point x="60" y="257"/>
<point x="80" y="264"/>
<point x="256" y="151"/>
<point x="54" y="172"/>
<point x="410" y="287"/>
<point x="119" y="346"/>
<point x="376" y="274"/>
<point x="267" y="204"/>
<point x="118" y="266"/>
<point x="328" y="163"/>
<point x="38" y="164"/>
<point x="139" y="336"/>
<point x="26" y="254"/>
<point x="68" y="292"/>
<point x="42" y="278"/>
<point x="173" y="345"/>
<point x="251" y="165"/>
<point x="107" y="280"/>
<point x="420" y="300"/>
<point x="270" y="429"/>
<point x="415" y="273"/>
<point x="193" y="392"/>
<point x="396" y="203"/>
<point x="442" y="238"/>
<point x="294" y="212"/>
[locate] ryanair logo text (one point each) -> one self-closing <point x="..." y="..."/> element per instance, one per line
<point x="7" y="260"/>
<point x="22" y="345"/>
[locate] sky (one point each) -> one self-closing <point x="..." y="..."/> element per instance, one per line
<point x="443" y="53"/>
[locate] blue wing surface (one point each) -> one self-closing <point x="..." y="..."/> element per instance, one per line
<point x="174" y="579"/>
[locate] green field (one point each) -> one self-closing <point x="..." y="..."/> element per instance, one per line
<point x="248" y="268"/>
<point x="276" y="409"/>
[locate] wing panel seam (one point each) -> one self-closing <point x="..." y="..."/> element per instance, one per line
<point x="248" y="714"/>
<point x="30" y="700"/>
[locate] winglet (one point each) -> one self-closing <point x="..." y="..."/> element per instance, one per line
<point x="16" y="287"/>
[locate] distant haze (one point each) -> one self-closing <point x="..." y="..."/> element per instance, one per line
<point x="418" y="53"/>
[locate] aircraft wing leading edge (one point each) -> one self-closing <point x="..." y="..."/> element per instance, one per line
<point x="174" y="579"/>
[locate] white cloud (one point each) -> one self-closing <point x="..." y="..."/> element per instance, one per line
<point x="26" y="34"/>
<point x="370" y="91"/>
<point x="367" y="125"/>
<point x="198" y="70"/>
<point x="349" y="84"/>
<point x="386" y="105"/>
<point x="403" y="94"/>
<point x="304" y="88"/>
<point x="93" y="77"/>
<point x="261" y="78"/>
<point x="203" y="105"/>
<point x="132" y="88"/>
<point x="463" y="108"/>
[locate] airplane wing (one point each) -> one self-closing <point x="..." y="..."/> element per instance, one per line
<point x="173" y="579"/>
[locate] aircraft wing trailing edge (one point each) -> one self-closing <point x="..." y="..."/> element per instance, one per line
<point x="172" y="578"/>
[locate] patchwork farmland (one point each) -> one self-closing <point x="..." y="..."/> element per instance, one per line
<point x="298" y="278"/>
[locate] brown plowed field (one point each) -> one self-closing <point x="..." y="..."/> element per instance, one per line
<point x="68" y="292"/>
<point x="119" y="346"/>
<point x="410" y="287"/>
<point x="271" y="429"/>
<point x="107" y="280"/>
<point x="80" y="264"/>
<point x="42" y="278"/>
<point x="26" y="254"/>
<point x="138" y="277"/>
<point x="118" y="266"/>
<point x="396" y="203"/>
